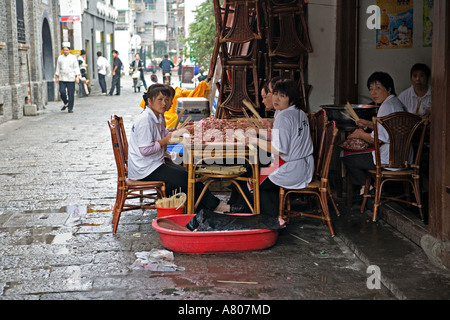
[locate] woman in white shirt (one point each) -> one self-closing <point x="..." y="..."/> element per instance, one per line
<point x="148" y="147"/>
<point x="382" y="91"/>
<point x="291" y="141"/>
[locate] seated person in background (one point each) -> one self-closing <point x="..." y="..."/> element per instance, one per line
<point x="382" y="91"/>
<point x="147" y="147"/>
<point x="417" y="98"/>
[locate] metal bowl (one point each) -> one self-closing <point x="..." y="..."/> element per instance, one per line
<point x="364" y="111"/>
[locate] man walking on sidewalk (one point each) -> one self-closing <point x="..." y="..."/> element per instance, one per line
<point x="66" y="75"/>
<point x="102" y="69"/>
<point x="117" y="68"/>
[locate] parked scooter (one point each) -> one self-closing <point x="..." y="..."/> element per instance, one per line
<point x="166" y="77"/>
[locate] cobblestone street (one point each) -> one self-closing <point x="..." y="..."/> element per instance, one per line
<point x="56" y="163"/>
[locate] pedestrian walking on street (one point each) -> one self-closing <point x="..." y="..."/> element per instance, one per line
<point x="103" y="70"/>
<point x="180" y="70"/>
<point x="138" y="65"/>
<point x="117" y="68"/>
<point x="66" y="75"/>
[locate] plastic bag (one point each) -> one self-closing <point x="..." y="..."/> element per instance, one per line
<point x="155" y="260"/>
<point x="207" y="220"/>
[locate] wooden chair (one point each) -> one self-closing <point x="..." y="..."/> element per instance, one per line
<point x="128" y="189"/>
<point x="402" y="128"/>
<point x="244" y="16"/>
<point x="318" y="186"/>
<point x="320" y="123"/>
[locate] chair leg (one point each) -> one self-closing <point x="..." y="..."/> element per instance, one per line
<point x="366" y="194"/>
<point x="330" y="194"/>
<point x="118" y="210"/>
<point x="281" y="205"/>
<point x="325" y="211"/>
<point x="378" y="186"/>
<point x="417" y="194"/>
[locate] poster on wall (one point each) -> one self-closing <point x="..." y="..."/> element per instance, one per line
<point x="396" y="24"/>
<point x="428" y="22"/>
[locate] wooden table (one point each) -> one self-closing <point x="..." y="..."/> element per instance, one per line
<point x="196" y="155"/>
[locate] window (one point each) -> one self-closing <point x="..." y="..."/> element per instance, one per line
<point x="149" y="4"/>
<point x="20" y="22"/>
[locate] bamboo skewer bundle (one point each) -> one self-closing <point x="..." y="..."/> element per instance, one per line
<point x="179" y="117"/>
<point x="250" y="107"/>
<point x="186" y="121"/>
<point x="351" y="112"/>
<point x="175" y="201"/>
<point x="252" y="120"/>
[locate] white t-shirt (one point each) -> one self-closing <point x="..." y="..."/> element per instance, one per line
<point x="102" y="65"/>
<point x="291" y="137"/>
<point x="390" y="105"/>
<point x="410" y="100"/>
<point x="146" y="131"/>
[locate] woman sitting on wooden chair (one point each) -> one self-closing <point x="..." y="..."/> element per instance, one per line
<point x="147" y="149"/>
<point x="291" y="141"/>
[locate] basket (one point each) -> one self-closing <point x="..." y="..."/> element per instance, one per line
<point x="164" y="212"/>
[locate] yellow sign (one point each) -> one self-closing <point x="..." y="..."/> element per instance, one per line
<point x="74" y="52"/>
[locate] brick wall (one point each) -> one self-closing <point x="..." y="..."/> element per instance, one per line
<point x="21" y="64"/>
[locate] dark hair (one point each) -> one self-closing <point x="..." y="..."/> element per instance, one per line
<point x="115" y="51"/>
<point x="289" y="88"/>
<point x="154" y="90"/>
<point x="421" y="67"/>
<point x="83" y="52"/>
<point x="171" y="89"/>
<point x="384" y="78"/>
<point x="272" y="82"/>
<point x="99" y="53"/>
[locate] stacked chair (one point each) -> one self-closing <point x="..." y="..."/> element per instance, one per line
<point x="287" y="41"/>
<point x="257" y="40"/>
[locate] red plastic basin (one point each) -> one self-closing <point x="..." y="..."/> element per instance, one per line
<point x="202" y="242"/>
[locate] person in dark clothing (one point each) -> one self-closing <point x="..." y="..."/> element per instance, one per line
<point x="117" y="68"/>
<point x="138" y="64"/>
<point x="166" y="65"/>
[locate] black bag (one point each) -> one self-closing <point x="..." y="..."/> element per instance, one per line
<point x="207" y="220"/>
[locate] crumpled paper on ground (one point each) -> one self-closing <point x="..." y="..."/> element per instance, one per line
<point x="155" y="260"/>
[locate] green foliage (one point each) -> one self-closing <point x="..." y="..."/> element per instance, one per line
<point x="202" y="34"/>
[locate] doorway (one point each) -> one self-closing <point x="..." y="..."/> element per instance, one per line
<point x="47" y="60"/>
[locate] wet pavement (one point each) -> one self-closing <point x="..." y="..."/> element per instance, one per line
<point x="58" y="185"/>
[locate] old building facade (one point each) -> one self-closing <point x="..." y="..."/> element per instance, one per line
<point x="29" y="42"/>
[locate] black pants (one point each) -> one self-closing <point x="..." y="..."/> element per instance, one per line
<point x="269" y="198"/>
<point x="176" y="177"/>
<point x="143" y="82"/>
<point x="115" y="84"/>
<point x="69" y="96"/>
<point x="102" y="82"/>
<point x="357" y="165"/>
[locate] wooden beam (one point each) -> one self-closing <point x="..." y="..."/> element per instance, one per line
<point x="346" y="70"/>
<point x="439" y="201"/>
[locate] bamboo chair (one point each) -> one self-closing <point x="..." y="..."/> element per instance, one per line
<point x="128" y="189"/>
<point x="320" y="122"/>
<point x="244" y="16"/>
<point x="317" y="187"/>
<point x="402" y="128"/>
